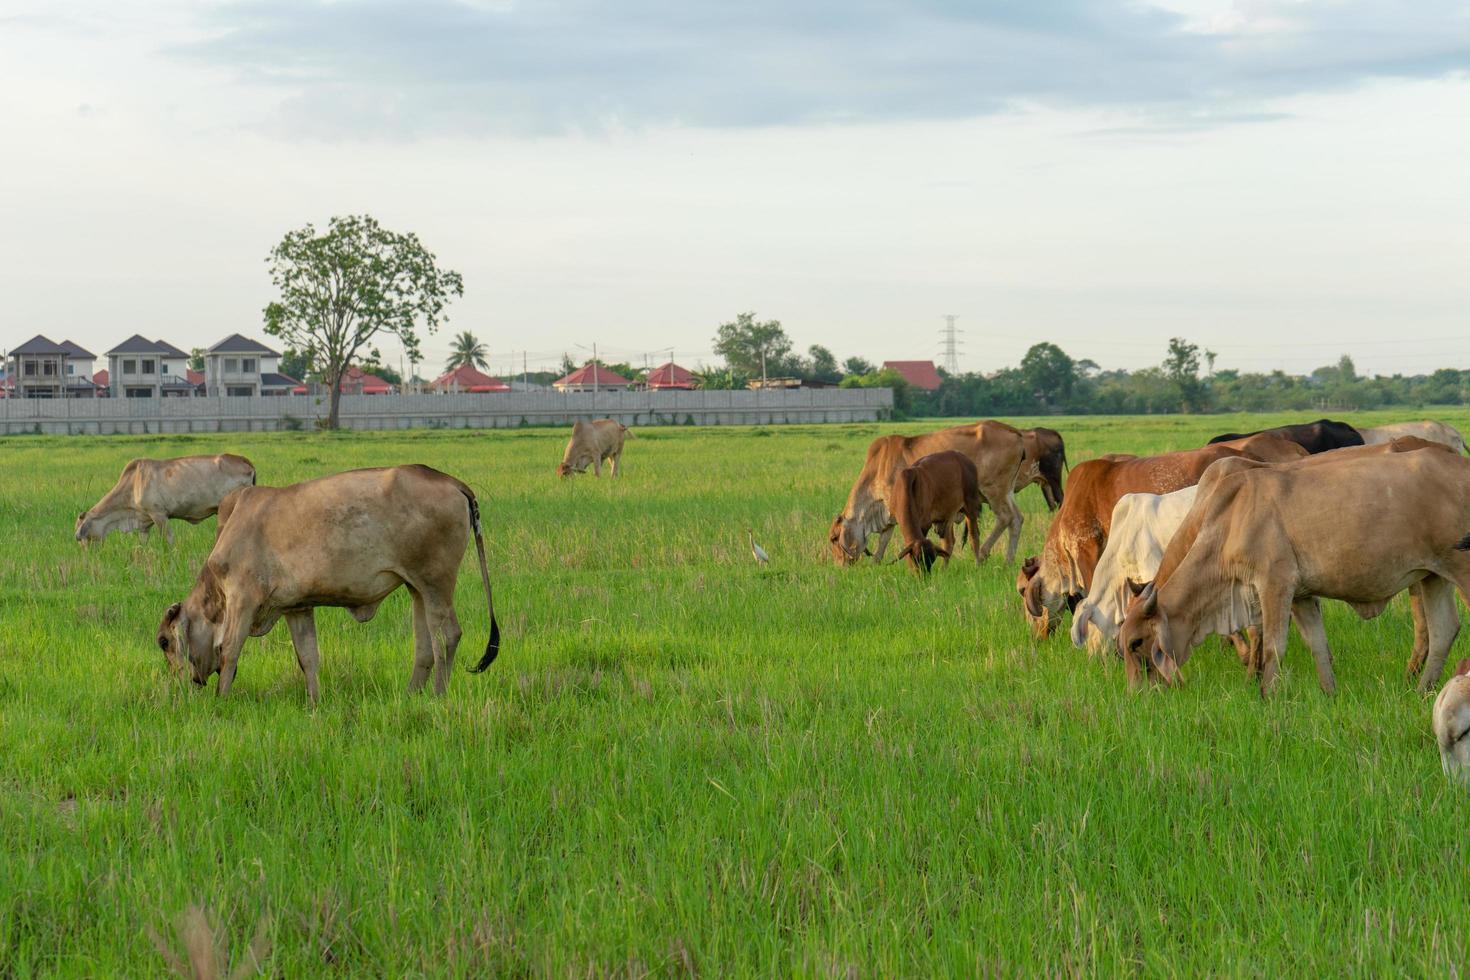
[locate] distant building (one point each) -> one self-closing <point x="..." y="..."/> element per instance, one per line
<point x="42" y="368"/>
<point x="354" y="381"/>
<point x="591" y="377"/>
<point x="466" y="378"/>
<point x="240" y="367"/>
<point x="670" y="377"/>
<point x="919" y="374"/>
<point x="776" y="384"/>
<point x="143" y="368"/>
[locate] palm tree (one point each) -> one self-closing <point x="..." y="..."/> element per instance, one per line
<point x="467" y="352"/>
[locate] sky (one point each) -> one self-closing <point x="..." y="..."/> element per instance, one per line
<point x="1280" y="181"/>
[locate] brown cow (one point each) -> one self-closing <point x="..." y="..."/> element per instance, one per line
<point x="1079" y="531"/>
<point x="996" y="449"/>
<point x="1046" y="460"/>
<point x="1274" y="538"/>
<point x="590" y="444"/>
<point x="934" y="493"/>
<point x="345" y="540"/>
<point x="1268" y="448"/>
<point x="150" y="491"/>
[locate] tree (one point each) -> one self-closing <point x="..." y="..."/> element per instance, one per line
<point x="297" y="364"/>
<point x="1049" y="374"/>
<point x="467" y="351"/>
<point x="752" y="348"/>
<point x="374" y="365"/>
<point x="856" y="365"/>
<point x="196" y="359"/>
<point x="567" y="364"/>
<point x="1181" y="367"/>
<point x="342" y="287"/>
<point x="823" y="364"/>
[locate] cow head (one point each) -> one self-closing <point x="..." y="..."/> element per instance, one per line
<point x="1042" y="607"/>
<point x="188" y="633"/>
<point x="574" y="464"/>
<point x="922" y="555"/>
<point x="84" y="528"/>
<point x="847" y="539"/>
<point x="1145" y="640"/>
<point x="95" y="525"/>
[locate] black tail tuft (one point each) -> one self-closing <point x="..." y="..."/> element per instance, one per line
<point x="492" y="649"/>
<point x="1463" y="544"/>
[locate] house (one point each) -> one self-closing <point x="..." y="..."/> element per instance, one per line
<point x="143" y="368"/>
<point x="354" y="381"/>
<point x="775" y="384"/>
<point x="237" y="367"/>
<point x="42" y="368"/>
<point x="591" y="377"/>
<point x="670" y="377"/>
<point x="919" y="374"/>
<point x="467" y="378"/>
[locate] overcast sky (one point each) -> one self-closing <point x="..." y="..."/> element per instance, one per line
<point x="1280" y="181"/>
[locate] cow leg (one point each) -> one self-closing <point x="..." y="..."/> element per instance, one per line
<point x="597" y="466"/>
<point x="948" y="539"/>
<point x="1421" y="633"/>
<point x="972" y="531"/>
<point x="883" y="537"/>
<point x="1051" y="499"/>
<point x="160" y="521"/>
<point x="423" y="644"/>
<point x="616" y="460"/>
<point x="302" y="625"/>
<point x="443" y="629"/>
<point x="233" y="632"/>
<point x="1308" y="616"/>
<point x="1442" y="621"/>
<point x="1003" y="519"/>
<point x="1275" y="621"/>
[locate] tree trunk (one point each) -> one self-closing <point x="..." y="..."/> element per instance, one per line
<point x="336" y="398"/>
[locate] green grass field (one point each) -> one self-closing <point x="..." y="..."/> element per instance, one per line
<point x="683" y="762"/>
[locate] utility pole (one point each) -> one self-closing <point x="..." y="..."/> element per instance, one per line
<point x="525" y="371"/>
<point x="596" y="375"/>
<point x="951" y="344"/>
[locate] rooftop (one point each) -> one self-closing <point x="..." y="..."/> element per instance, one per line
<point x="919" y="374"/>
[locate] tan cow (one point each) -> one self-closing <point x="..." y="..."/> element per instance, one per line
<point x="1270" y="540"/>
<point x="1451" y="723"/>
<point x="933" y="493"/>
<point x="1267" y="448"/>
<point x="996" y="449"/>
<point x="1062" y="574"/>
<point x="150" y="491"/>
<point x="590" y="444"/>
<point x="347" y="540"/>
<point x="1445" y="435"/>
<point x="1045" y="464"/>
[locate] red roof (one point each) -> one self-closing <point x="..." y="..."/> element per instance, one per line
<point x="194" y="377"/>
<point x="589" y="375"/>
<point x="920" y="374"/>
<point x="670" y="375"/>
<point x="466" y="378"/>
<point x="100" y="378"/>
<point x="356" y="381"/>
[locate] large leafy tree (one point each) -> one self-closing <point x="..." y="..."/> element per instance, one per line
<point x="1181" y="367"/>
<point x="823" y="365"/>
<point x="1049" y="374"/>
<point x="341" y="287"/>
<point x="752" y="348"/>
<point x="467" y="351"/>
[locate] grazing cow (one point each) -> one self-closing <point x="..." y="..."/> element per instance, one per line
<point x="1046" y="461"/>
<point x="1268" y="448"/>
<point x="1451" y="723"/>
<point x="1274" y="538"/>
<point x="345" y="540"/>
<point x="1141" y="528"/>
<point x="590" y="444"/>
<point x="150" y="491"/>
<point x="1315" y="437"/>
<point x="996" y="449"/>
<point x="933" y="493"/>
<point x="1079" y="532"/>
<point x="1446" y="435"/>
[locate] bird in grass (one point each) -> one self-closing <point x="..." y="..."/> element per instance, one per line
<point x="757" y="550"/>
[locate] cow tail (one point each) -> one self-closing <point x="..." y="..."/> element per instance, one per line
<point x="492" y="648"/>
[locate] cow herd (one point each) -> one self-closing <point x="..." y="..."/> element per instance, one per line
<point x="1237" y="538"/>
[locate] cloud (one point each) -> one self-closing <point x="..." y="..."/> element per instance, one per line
<point x="406" y="68"/>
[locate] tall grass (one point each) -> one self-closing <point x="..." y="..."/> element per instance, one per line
<point x="683" y="761"/>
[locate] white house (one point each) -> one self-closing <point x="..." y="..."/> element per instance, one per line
<point x="238" y="366"/>
<point x="143" y="368"/>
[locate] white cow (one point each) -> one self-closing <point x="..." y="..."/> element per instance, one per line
<point x="1432" y="431"/>
<point x="1143" y="524"/>
<point x="1452" y="724"/>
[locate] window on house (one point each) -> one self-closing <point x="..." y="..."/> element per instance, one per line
<point x="248" y="365"/>
<point x="232" y="365"/>
<point x="239" y="392"/>
<point x="48" y="368"/>
<point x="140" y="393"/>
<point x="148" y="365"/>
<point x="71" y="369"/>
<point x="30" y="369"/>
<point x="130" y="367"/>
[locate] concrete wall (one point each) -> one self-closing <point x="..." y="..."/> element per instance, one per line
<point x="107" y="416"/>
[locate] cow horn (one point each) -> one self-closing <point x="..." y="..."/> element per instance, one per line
<point x="1150" y="597"/>
<point x="1033" y="600"/>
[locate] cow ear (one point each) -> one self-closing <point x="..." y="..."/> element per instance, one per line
<point x="1033" y="599"/>
<point x="214" y="596"/>
<point x="170" y="617"/>
<point x="1150" y="596"/>
<point x="1463" y="667"/>
<point x="1031" y="566"/>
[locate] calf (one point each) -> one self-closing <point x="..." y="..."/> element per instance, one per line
<point x="151" y="491"/>
<point x="347" y="540"/>
<point x="933" y="493"/>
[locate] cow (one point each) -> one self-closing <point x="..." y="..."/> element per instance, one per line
<point x="590" y="444"/>
<point x="1269" y="540"/>
<point x="1268" y="448"/>
<point x="1315" y="437"/>
<point x="151" y="491"/>
<point x="1046" y="461"/>
<point x="346" y="540"/>
<point x="1451" y="724"/>
<point x="1142" y="525"/>
<point x="933" y="493"/>
<point x="1429" y="430"/>
<point x="1079" y="531"/>
<point x="996" y="449"/>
